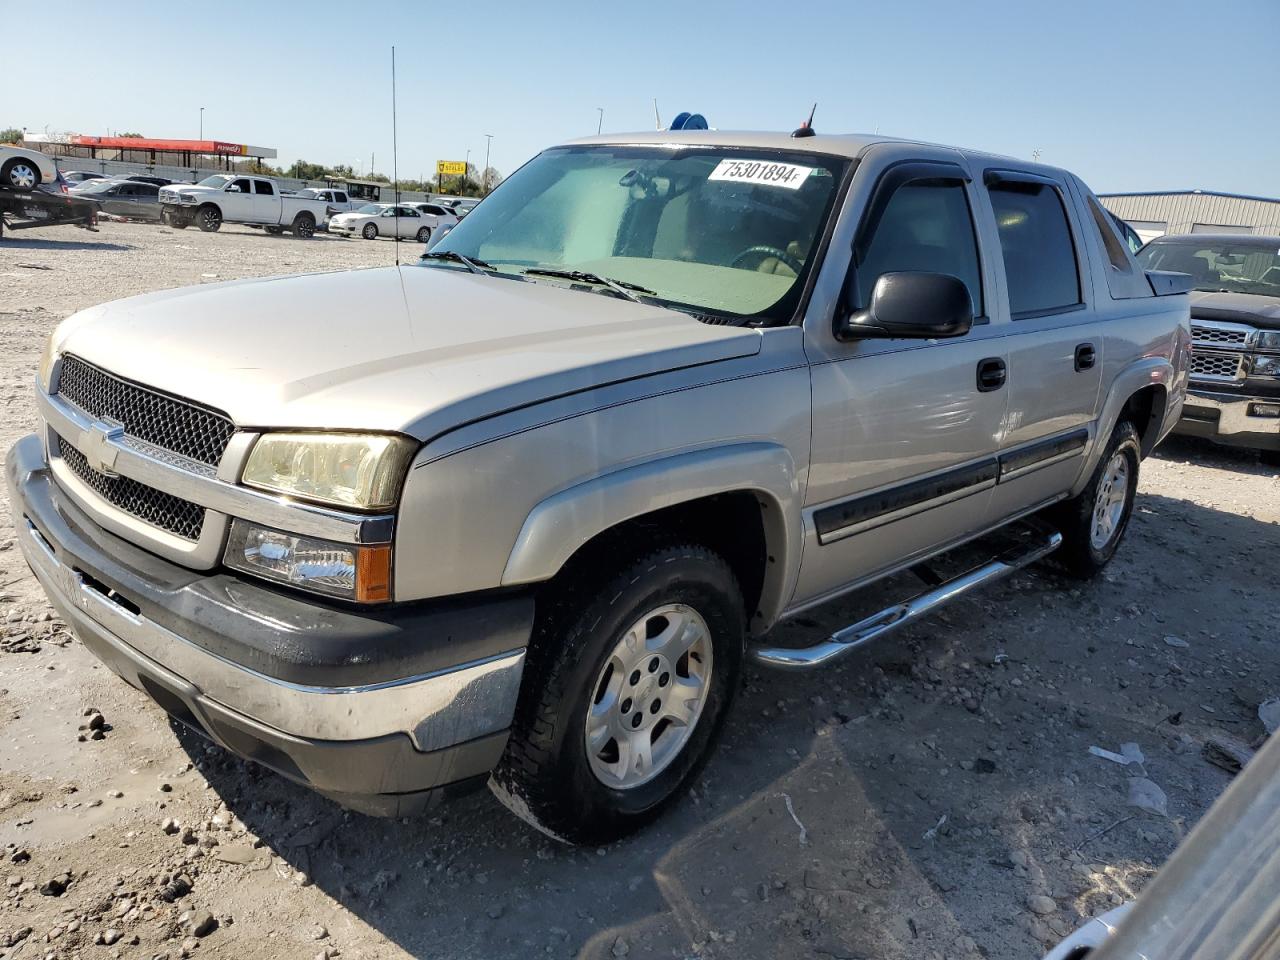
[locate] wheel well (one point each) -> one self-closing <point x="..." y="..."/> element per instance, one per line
<point x="303" y="216"/>
<point x="731" y="524"/>
<point x="1145" y="410"/>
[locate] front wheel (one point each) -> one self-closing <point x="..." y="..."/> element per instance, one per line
<point x="20" y="174"/>
<point x="210" y="219"/>
<point x="424" y="234"/>
<point x="370" y="231"/>
<point x="1093" y="522"/>
<point x="628" y="679"/>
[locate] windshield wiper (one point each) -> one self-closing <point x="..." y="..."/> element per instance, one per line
<point x="620" y="287"/>
<point x="474" y="264"/>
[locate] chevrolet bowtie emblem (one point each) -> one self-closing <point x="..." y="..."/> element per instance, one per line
<point x="95" y="444"/>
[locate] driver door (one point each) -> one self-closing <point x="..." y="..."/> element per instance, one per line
<point x="905" y="431"/>
<point x="237" y="203"/>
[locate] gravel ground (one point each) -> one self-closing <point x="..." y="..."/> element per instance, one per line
<point x="933" y="797"/>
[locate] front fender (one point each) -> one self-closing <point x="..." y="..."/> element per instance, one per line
<point x="559" y="525"/>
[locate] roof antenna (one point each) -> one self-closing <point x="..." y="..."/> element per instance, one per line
<point x="657" y="118"/>
<point x="395" y="174"/>
<point x="806" y="129"/>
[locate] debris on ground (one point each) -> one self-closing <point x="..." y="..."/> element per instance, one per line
<point x="1227" y="752"/>
<point x="1129" y="753"/>
<point x="1146" y="795"/>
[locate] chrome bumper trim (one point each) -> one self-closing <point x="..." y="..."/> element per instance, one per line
<point x="435" y="710"/>
<point x="213" y="489"/>
<point x="1233" y="412"/>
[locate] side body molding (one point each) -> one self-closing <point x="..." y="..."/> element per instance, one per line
<point x="563" y="522"/>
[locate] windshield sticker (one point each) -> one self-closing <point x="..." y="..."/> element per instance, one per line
<point x="764" y="172"/>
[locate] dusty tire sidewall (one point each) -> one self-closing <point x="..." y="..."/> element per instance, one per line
<point x="710" y="589"/>
<point x="1124" y="440"/>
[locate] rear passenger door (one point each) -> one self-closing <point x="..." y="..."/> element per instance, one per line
<point x="266" y="202"/>
<point x="904" y="431"/>
<point x="1055" y="339"/>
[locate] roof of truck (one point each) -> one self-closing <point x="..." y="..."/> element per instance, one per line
<point x="834" y="144"/>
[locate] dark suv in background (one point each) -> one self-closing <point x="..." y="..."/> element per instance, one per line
<point x="1234" y="397"/>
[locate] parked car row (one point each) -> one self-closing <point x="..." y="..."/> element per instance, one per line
<point x="419" y="221"/>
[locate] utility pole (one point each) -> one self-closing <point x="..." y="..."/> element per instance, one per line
<point x="202" y="123"/>
<point x="484" y="187"/>
<point x="466" y="165"/>
<point x="600" y="121"/>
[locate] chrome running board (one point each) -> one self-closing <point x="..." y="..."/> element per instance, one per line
<point x="900" y="614"/>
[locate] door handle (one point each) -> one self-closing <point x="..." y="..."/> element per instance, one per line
<point x="991" y="374"/>
<point x="1086" y="357"/>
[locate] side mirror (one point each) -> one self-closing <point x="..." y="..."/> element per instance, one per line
<point x="909" y="304"/>
<point x="233" y="189"/>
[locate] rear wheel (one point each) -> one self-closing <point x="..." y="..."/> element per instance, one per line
<point x="1093" y="523"/>
<point x="20" y="174"/>
<point x="628" y="679"/>
<point x="424" y="234"/>
<point x="304" y="226"/>
<point x="370" y="231"/>
<point x="209" y="218"/>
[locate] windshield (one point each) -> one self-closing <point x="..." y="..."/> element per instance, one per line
<point x="1227" y="266"/>
<point x="217" y="181"/>
<point x="371" y="208"/>
<point x="710" y="230"/>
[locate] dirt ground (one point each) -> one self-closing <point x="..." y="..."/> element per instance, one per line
<point x="933" y="797"/>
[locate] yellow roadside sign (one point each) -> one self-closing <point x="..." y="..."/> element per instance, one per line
<point x="451" y="168"/>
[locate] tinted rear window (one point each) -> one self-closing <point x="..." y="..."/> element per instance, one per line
<point x="1039" y="255"/>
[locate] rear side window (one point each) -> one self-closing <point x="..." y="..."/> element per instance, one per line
<point x="1106" y="229"/>
<point x="262" y="186"/>
<point x="925" y="226"/>
<point x="1039" y="255"/>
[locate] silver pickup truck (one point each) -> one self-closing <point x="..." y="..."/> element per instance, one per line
<point x="520" y="512"/>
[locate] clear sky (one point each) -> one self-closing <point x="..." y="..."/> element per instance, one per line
<point x="1130" y="94"/>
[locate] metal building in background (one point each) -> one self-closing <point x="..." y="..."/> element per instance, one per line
<point x="1194" y="211"/>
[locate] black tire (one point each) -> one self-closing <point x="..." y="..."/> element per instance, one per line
<point x="1080" y="554"/>
<point x="304" y="226"/>
<point x="209" y="218"/>
<point x="8" y="176"/>
<point x="1270" y="458"/>
<point x="545" y="776"/>
<point x="370" y="231"/>
<point x="424" y="234"/>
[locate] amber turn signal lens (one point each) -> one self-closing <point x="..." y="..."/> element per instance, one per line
<point x="373" y="574"/>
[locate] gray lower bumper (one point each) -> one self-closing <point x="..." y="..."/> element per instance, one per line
<point x="1230" y="419"/>
<point x="393" y="737"/>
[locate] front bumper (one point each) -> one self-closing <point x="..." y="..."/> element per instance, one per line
<point x="382" y="710"/>
<point x="1230" y="419"/>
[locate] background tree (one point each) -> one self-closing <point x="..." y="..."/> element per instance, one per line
<point x="135" y="136"/>
<point x="11" y="135"/>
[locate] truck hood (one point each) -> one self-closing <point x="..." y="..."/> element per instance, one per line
<point x="1250" y="308"/>
<point x="418" y="350"/>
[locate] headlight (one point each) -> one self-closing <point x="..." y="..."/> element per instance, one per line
<point x="45" y="370"/>
<point x="187" y="197"/>
<point x="347" y="470"/>
<point x="1269" y="340"/>
<point x="1266" y="367"/>
<point x="360" y="573"/>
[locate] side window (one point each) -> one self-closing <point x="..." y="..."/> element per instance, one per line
<point x="1106" y="229"/>
<point x="243" y="184"/>
<point x="339" y="198"/>
<point x="926" y="225"/>
<point x="147" y="190"/>
<point x="263" y="187"/>
<point x="1039" y="255"/>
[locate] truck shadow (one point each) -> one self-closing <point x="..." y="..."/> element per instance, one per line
<point x="11" y="242"/>
<point x="904" y="803"/>
<point x="1206" y="453"/>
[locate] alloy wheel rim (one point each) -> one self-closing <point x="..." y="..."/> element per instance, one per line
<point x="22" y="176"/>
<point x="649" y="696"/>
<point x="1108" y="505"/>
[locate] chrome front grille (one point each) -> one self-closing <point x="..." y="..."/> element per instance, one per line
<point x="180" y="517"/>
<point x="167" y="422"/>
<point x="1221" y="335"/>
<point x="1209" y="365"/>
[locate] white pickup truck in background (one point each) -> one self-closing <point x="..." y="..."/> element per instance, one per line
<point x="227" y="198"/>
